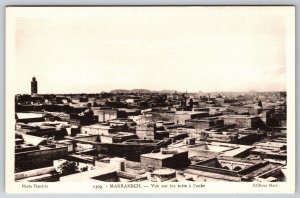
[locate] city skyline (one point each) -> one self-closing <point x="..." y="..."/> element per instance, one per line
<point x="136" y="90"/>
<point x="213" y="50"/>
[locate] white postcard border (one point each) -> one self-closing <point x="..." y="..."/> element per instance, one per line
<point x="75" y="187"/>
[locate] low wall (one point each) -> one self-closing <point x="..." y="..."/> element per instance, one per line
<point x="35" y="172"/>
<point x="26" y="149"/>
<point x="214" y="170"/>
<point x="38" y="158"/>
<point x="93" y="138"/>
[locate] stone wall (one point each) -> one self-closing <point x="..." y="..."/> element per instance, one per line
<point x="38" y="158"/>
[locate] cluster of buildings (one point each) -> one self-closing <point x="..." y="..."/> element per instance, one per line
<point x="141" y="135"/>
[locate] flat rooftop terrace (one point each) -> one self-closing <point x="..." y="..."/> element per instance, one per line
<point x="87" y="175"/>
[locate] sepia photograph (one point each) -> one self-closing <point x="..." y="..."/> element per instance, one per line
<point x="126" y="99"/>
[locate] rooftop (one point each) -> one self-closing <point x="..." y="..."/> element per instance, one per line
<point x="87" y="175"/>
<point x="29" y="115"/>
<point x="98" y="126"/>
<point x="161" y="156"/>
<point x="239" y="116"/>
<point x="164" y="171"/>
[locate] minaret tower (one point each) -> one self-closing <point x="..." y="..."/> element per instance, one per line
<point x="34" y="88"/>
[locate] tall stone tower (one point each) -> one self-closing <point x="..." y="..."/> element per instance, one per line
<point x="34" y="88"/>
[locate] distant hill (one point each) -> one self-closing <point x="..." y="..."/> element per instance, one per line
<point x="130" y="91"/>
<point x="142" y="91"/>
<point x="168" y="91"/>
<point x="119" y="91"/>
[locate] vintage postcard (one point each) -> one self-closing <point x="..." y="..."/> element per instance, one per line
<point x="150" y="99"/>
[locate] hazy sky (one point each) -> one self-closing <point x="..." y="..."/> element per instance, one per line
<point x="93" y="49"/>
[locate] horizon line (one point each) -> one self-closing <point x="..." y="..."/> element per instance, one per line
<point x="156" y="91"/>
